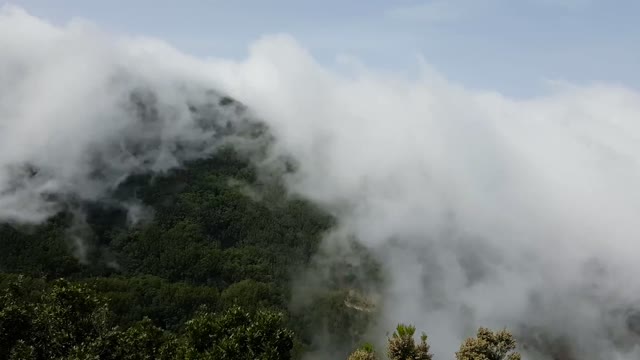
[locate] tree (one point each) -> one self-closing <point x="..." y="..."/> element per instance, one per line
<point x="489" y="345"/>
<point x="365" y="352"/>
<point x="67" y="315"/>
<point x="402" y="346"/>
<point x="250" y="294"/>
<point x="62" y="318"/>
<point x="71" y="322"/>
<point x="16" y="320"/>
<point x="142" y="341"/>
<point x="236" y="334"/>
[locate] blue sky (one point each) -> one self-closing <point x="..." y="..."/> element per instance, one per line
<point x="512" y="46"/>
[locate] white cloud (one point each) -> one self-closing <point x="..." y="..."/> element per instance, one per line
<point x="501" y="206"/>
<point x="66" y="112"/>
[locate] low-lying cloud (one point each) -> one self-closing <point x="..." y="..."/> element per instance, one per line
<point x="502" y="212"/>
<point x="79" y="112"/>
<point x="484" y="209"/>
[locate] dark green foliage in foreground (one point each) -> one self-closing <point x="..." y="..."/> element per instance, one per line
<point x="69" y="321"/>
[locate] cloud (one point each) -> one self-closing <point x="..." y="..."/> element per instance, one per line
<point x="81" y="111"/>
<point x="484" y="210"/>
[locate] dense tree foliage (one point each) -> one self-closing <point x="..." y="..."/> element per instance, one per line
<point x="489" y="345"/>
<point x="69" y="321"/>
<point x="402" y="345"/>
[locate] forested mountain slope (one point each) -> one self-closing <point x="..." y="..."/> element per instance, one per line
<point x="218" y="231"/>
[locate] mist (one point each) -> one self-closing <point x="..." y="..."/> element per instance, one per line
<point x="80" y="112"/>
<point x="484" y="210"/>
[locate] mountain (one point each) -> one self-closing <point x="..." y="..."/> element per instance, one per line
<point x="218" y="230"/>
